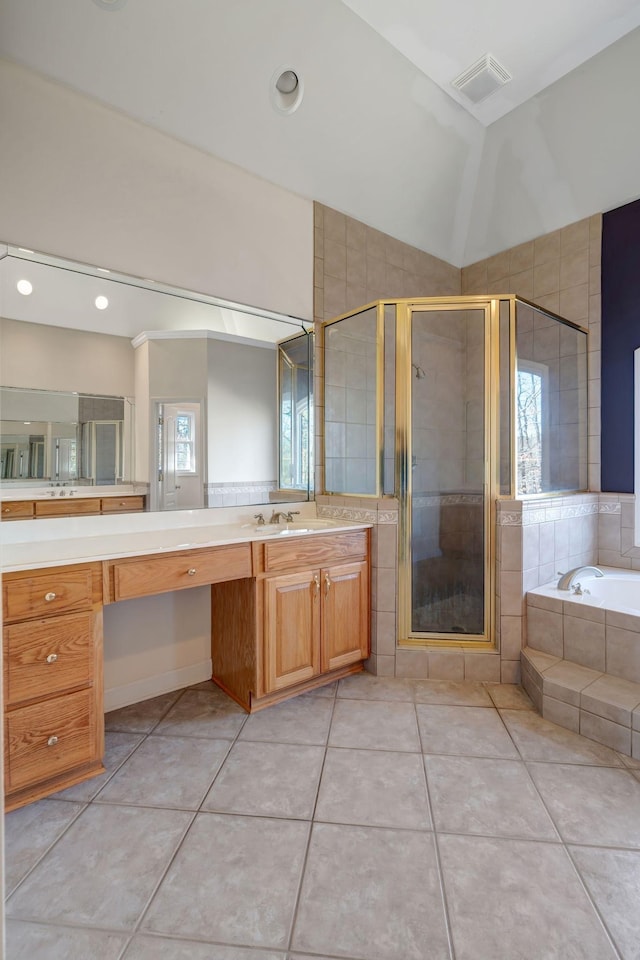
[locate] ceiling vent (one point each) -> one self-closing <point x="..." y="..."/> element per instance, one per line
<point x="481" y="79"/>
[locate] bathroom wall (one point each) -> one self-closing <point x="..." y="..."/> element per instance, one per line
<point x="242" y="423"/>
<point x="350" y="352"/>
<point x="616" y="527"/>
<point x="355" y="264"/>
<point x="111" y="191"/>
<point x="620" y="337"/>
<point x="559" y="271"/>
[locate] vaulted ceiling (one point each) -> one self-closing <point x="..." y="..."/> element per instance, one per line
<point x="380" y="132"/>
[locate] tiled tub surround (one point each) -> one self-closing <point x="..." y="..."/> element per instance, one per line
<point x="582" y="663"/>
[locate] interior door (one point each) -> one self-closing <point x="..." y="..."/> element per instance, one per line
<point x="167" y="476"/>
<point x="179" y="456"/>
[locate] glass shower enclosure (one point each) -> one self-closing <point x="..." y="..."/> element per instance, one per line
<point x="448" y="404"/>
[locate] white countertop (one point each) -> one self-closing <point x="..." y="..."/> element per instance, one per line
<point x="46" y="492"/>
<point x="33" y="544"/>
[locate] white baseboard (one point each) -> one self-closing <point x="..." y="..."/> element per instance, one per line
<point x="150" y="687"/>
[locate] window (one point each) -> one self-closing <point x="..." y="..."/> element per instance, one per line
<point x="185" y="443"/>
<point x="532" y="426"/>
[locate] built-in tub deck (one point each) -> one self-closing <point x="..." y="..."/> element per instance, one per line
<point x="581" y="665"/>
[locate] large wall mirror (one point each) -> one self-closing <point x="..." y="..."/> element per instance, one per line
<point x="238" y="377"/>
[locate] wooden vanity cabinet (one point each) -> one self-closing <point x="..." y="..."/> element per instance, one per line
<point x="17" y="510"/>
<point x="52" y="649"/>
<point x="70" y="507"/>
<point x="304" y="623"/>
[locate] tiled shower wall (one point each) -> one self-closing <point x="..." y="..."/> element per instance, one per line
<point x="559" y="271"/>
<point x="534" y="539"/>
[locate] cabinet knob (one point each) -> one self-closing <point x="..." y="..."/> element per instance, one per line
<point x="191" y="571"/>
<point x="51" y="742"/>
<point x="52" y="658"/>
<point x="49" y="597"/>
<point x="6" y="509"/>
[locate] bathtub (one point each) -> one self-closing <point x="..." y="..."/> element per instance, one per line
<point x="617" y="590"/>
<point x="599" y="628"/>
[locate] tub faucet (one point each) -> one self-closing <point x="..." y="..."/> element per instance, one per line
<point x="566" y="579"/>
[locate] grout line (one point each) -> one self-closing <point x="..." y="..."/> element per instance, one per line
<point x="441" y="883"/>
<point x="296" y="905"/>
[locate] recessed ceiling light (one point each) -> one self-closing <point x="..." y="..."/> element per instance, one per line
<point x="286" y="90"/>
<point x="101" y="303"/>
<point x="25" y="287"/>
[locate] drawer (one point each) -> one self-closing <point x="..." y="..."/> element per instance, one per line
<point x="16" y="510"/>
<point x="121" y="504"/>
<point x="46" y="739"/>
<point x="67" y="507"/>
<point x="314" y="551"/>
<point x="177" y="571"/>
<point x="45" y="657"/>
<point x="44" y="595"/>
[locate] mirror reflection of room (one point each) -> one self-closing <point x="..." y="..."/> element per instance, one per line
<point x="220" y="371"/>
<point x="61" y="438"/>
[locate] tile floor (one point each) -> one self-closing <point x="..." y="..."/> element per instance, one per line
<point x="382" y="820"/>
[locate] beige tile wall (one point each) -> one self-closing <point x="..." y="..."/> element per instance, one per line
<point x="559" y="271"/>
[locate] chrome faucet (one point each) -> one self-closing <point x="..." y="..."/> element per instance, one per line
<point x="566" y="579"/>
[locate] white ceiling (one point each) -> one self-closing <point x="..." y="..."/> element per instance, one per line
<point x="64" y="294"/>
<point x="537" y="41"/>
<point x="378" y="135"/>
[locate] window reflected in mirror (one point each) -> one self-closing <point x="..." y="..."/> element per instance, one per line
<point x="295" y="413"/>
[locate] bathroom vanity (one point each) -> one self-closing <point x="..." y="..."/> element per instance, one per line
<point x="70" y="506"/>
<point x="289" y="611"/>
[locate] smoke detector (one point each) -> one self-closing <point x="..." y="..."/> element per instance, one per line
<point x="286" y="90"/>
<point x="482" y="78"/>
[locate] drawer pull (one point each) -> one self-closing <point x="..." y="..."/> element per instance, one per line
<point x="6" y="509"/>
<point x="191" y="571"/>
<point x="51" y="742"/>
<point x="327" y="583"/>
<point x="52" y="658"/>
<point x="316" y="580"/>
<point x="49" y="597"/>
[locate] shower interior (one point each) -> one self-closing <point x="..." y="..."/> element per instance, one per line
<point x="448" y="404"/>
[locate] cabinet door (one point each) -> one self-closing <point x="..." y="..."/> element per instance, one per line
<point x="345" y="614"/>
<point x="291" y="629"/>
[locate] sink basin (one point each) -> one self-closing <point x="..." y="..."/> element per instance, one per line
<point x="262" y="530"/>
<point x="312" y="523"/>
<point x="282" y="530"/>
